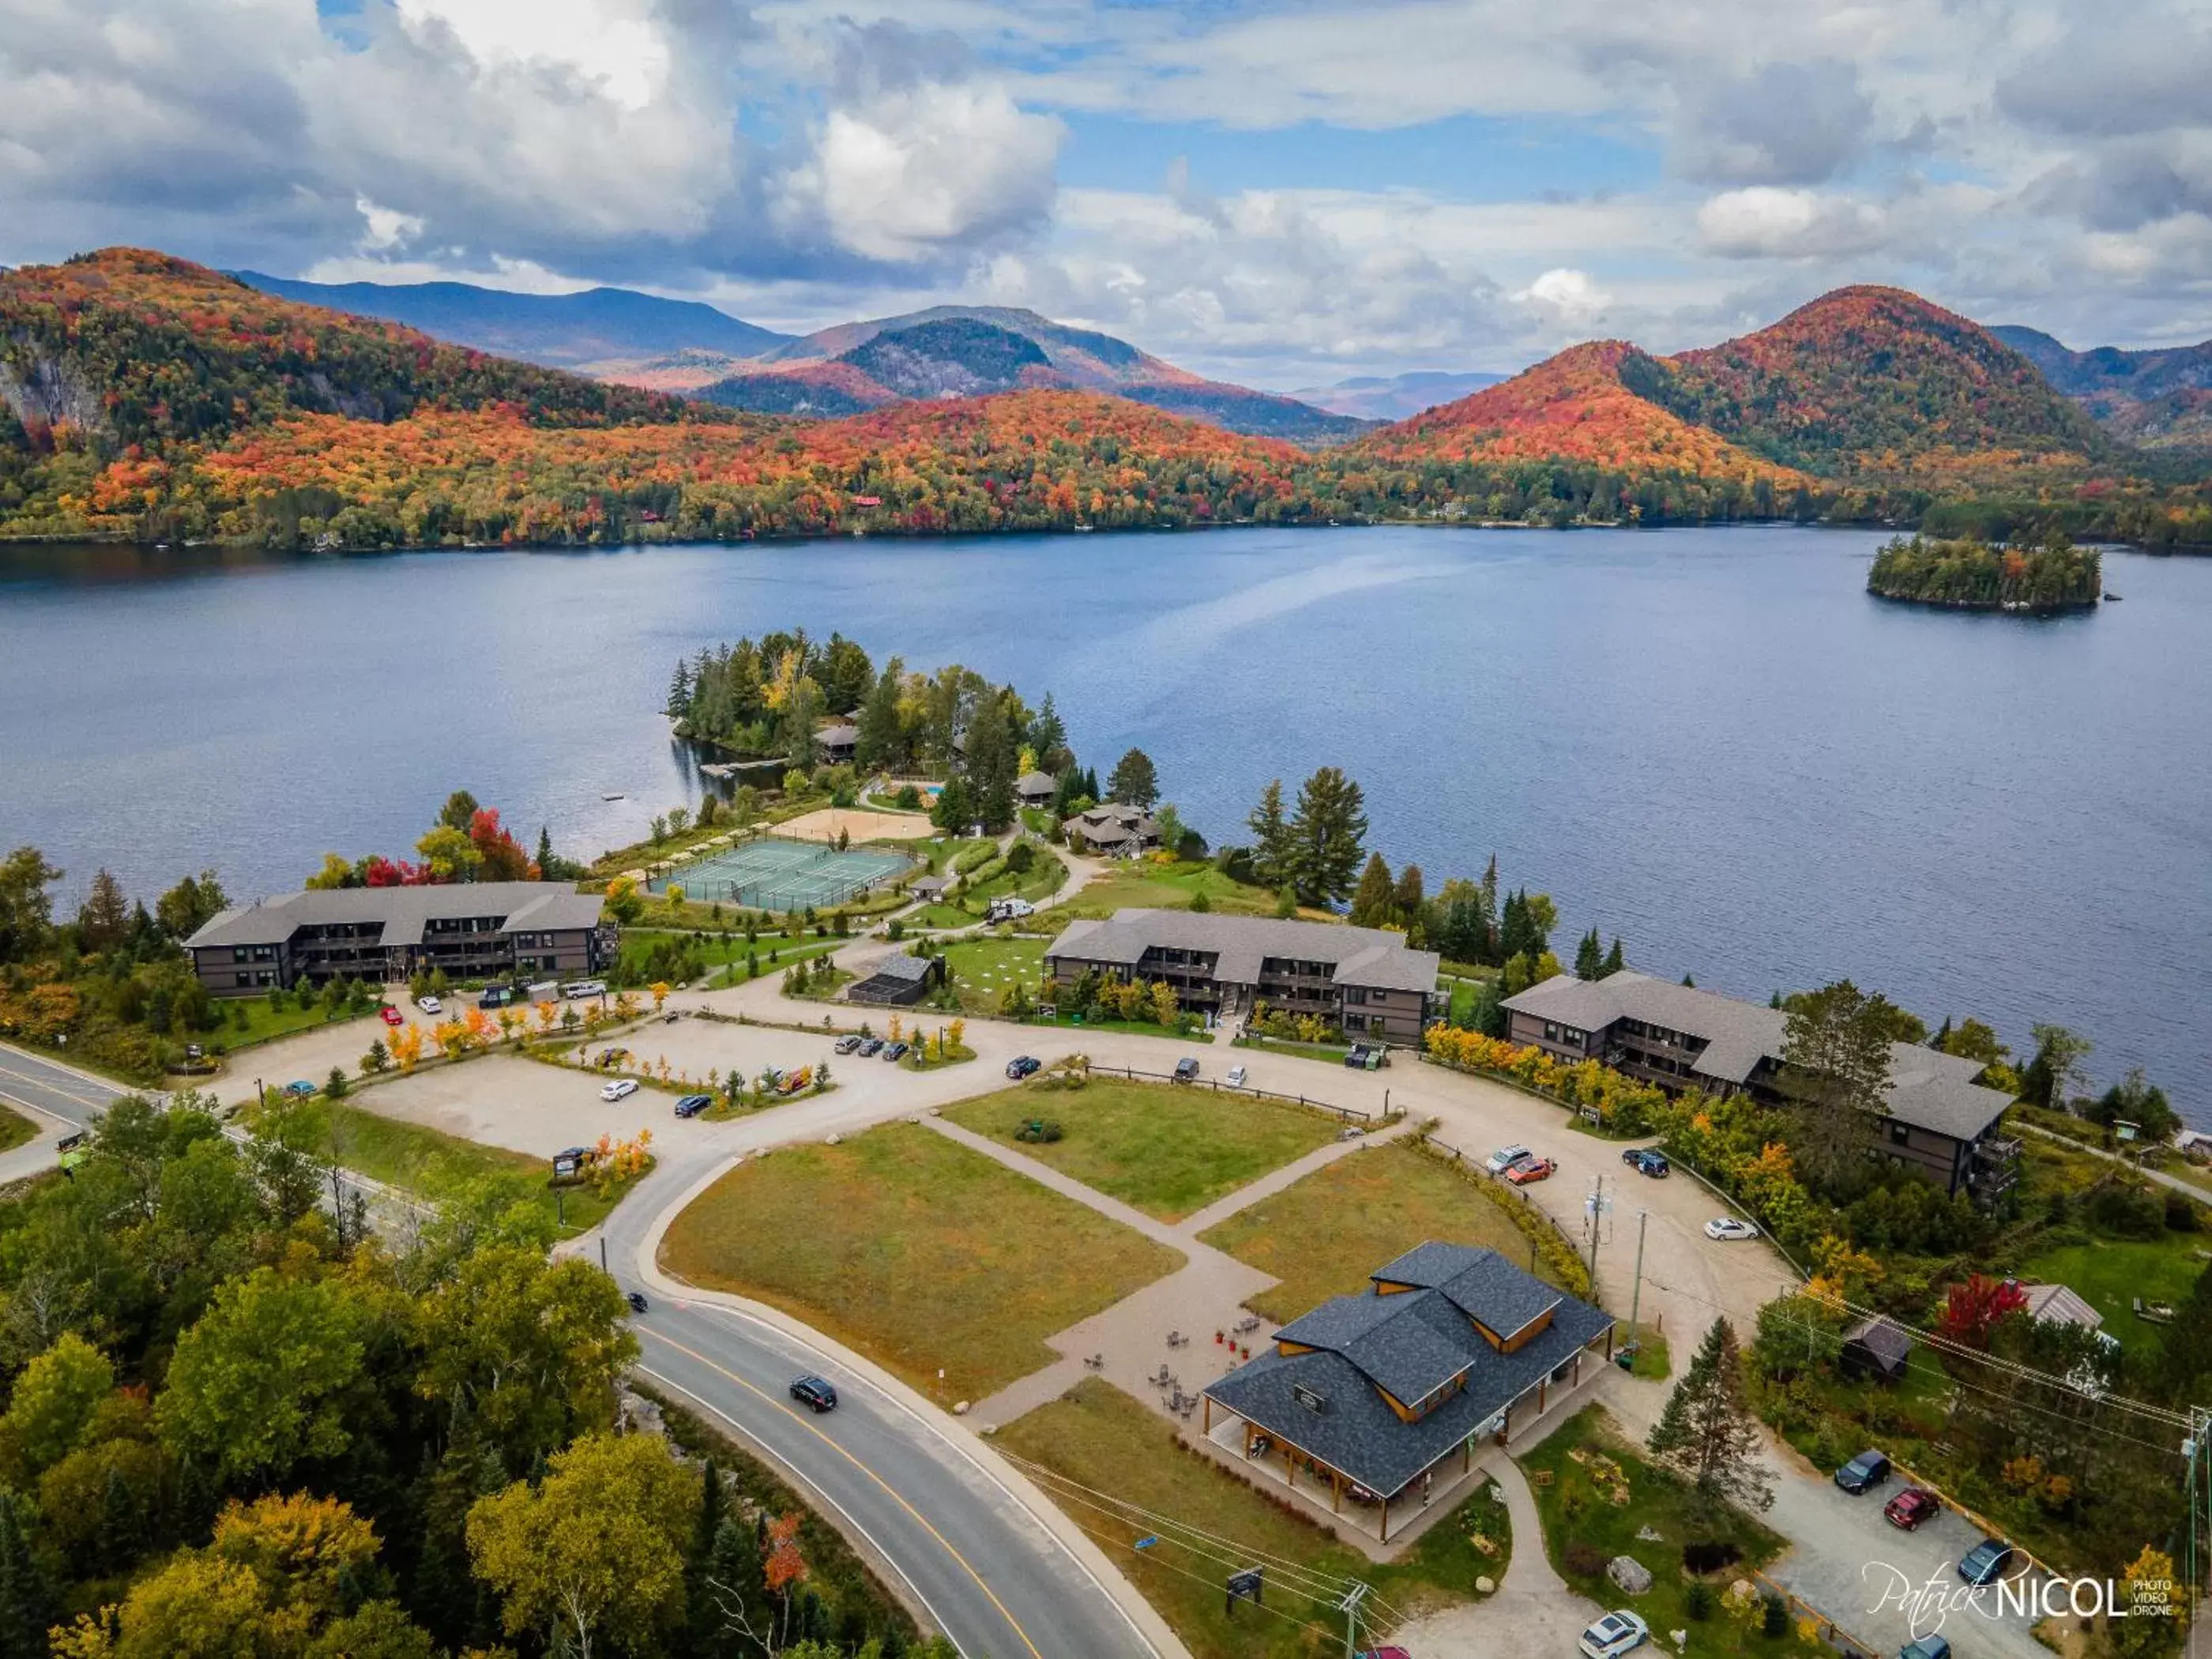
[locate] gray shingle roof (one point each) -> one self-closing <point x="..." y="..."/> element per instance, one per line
<point x="1369" y="958"/>
<point x="1410" y="1343"/>
<point x="1928" y="1089"/>
<point x="1035" y="786"/>
<point x="1480" y="1283"/>
<point x="403" y="912"/>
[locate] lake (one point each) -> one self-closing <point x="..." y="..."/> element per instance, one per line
<point x="1709" y="741"/>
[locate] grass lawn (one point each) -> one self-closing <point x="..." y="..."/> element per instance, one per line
<point x="2111" y="1274"/>
<point x="266" y="1024"/>
<point x="915" y="1250"/>
<point x="1322" y="1236"/>
<point x="1170" y="887"/>
<point x="15" y="1129"/>
<point x="984" y="969"/>
<point x="436" y="1165"/>
<point x="1330" y="1053"/>
<point x="1167" y="1149"/>
<point x="1095" y="1436"/>
<point x="1585" y="1528"/>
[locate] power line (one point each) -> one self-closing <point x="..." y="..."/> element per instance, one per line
<point x="1165" y="1565"/>
<point x="1321" y="1584"/>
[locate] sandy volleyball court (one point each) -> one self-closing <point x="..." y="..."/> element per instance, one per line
<point x="858" y="822"/>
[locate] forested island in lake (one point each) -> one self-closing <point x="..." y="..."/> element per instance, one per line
<point x="1978" y="575"/>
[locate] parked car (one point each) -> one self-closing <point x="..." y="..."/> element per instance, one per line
<point x="1009" y="909"/>
<point x="1863" y="1472"/>
<point x="1529" y="1169"/>
<point x="1986" y="1562"/>
<point x="637" y="1301"/>
<point x="1505" y="1157"/>
<point x="391" y="1016"/>
<point x="692" y="1105"/>
<point x="870" y="1047"/>
<point x="895" y="1051"/>
<point x="621" y="1088"/>
<point x="1616" y="1633"/>
<point x="430" y="1005"/>
<point x="1646" y="1161"/>
<point x="1022" y="1066"/>
<point x="1726" y="1227"/>
<point x="1186" y="1071"/>
<point x="845" y="1045"/>
<point x="298" y="1088"/>
<point x="1236" y="1078"/>
<point x="585" y="987"/>
<point x="1911" y="1507"/>
<point x="1926" y="1647"/>
<point x="814" y="1392"/>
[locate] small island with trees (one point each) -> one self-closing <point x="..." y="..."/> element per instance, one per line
<point x="1978" y="575"/>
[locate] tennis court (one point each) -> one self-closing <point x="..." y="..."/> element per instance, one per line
<point x="774" y="874"/>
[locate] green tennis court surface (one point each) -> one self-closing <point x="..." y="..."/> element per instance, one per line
<point x="769" y="874"/>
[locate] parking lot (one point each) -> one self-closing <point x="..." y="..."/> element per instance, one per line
<point x="1883" y="1584"/>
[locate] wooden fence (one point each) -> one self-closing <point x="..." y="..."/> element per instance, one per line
<point x="1343" y="1113"/>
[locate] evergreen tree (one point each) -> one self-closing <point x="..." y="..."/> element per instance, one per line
<point x="104" y="919"/>
<point x="1411" y="899"/>
<point x="460" y="811"/>
<point x="701" y="1614"/>
<point x="1590" y="957"/>
<point x="991" y="759"/>
<point x="1517" y="934"/>
<point x="1090" y="782"/>
<point x="1490" y="1010"/>
<point x="1271" y="838"/>
<point x="876" y="740"/>
<point x="678" y="705"/>
<point x="955" y="811"/>
<point x="547" y="864"/>
<point x="1708" y="1431"/>
<point x="1134" y="782"/>
<point x="1835" y="1067"/>
<point x="1372" y="903"/>
<point x="28" y="1606"/>
<point x="1615" y="961"/>
<point x="1490" y="886"/>
<point x="1047" y="736"/>
<point x="1328" y="831"/>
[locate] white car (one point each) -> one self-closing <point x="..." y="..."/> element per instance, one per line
<point x="1616" y="1633"/>
<point x="1505" y="1157"/>
<point x="430" y="1004"/>
<point x="1727" y="1228"/>
<point x="621" y="1088"/>
<point x="1235" y="1078"/>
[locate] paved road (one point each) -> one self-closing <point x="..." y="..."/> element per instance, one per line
<point x="926" y="1506"/>
<point x="57" y="1099"/>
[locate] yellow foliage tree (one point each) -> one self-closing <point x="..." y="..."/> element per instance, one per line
<point x="659" y="991"/>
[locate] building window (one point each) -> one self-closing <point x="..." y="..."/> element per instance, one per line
<point x="1377" y="1023"/>
<point x="1354" y="994"/>
<point x="1899" y="1135"/>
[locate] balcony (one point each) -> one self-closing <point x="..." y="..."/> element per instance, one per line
<point x="1994" y="1169"/>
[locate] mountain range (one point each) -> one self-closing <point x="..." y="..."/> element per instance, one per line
<point x="2160" y="398"/>
<point x="945" y="351"/>
<point x="146" y="397"/>
<point x="1395" y="397"/>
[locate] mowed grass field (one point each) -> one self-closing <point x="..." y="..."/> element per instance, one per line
<point x="1097" y="1436"/>
<point x="15" y="1129"/>
<point x="916" y="1251"/>
<point x="1324" y="1235"/>
<point x="1168" y="1150"/>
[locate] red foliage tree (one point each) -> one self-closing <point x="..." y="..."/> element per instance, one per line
<point x="1973" y="1309"/>
<point x="503" y="857"/>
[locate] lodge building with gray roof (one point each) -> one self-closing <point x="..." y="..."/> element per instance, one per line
<point x="472" y="930"/>
<point x="1366" y="980"/>
<point x="1936" y="1120"/>
<point x="1365" y="1395"/>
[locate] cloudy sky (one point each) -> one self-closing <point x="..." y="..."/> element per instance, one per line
<point x="1281" y="193"/>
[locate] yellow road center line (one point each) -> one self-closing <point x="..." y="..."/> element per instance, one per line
<point x="891" y="1491"/>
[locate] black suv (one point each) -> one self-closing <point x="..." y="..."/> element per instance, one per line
<point x="1022" y="1066"/>
<point x="815" y="1394"/>
<point x="1645" y="1160"/>
<point x="1863" y="1472"/>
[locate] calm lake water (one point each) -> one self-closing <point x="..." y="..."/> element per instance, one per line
<point x="1710" y="742"/>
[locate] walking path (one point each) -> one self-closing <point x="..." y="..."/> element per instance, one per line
<point x="1204" y="1297"/>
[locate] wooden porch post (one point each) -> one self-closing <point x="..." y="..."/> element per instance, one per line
<point x="1542" y="1383"/>
<point x="1385" y="1520"/>
<point x="1208" y="1418"/>
<point x="1608" y="1343"/>
<point x="1576" y="1376"/>
<point x="1335" y="1492"/>
<point x="1467" y="1454"/>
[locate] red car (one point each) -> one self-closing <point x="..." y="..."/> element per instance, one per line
<point x="391" y="1016"/>
<point x="1524" y="1171"/>
<point x="1912" y="1506"/>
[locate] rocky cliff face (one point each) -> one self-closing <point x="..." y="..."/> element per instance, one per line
<point x="44" y="390"/>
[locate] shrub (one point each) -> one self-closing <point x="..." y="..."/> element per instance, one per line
<point x="2181" y="1213"/>
<point x="1697" y="1601"/>
<point x="2126" y="1211"/>
<point x="1582" y="1561"/>
<point x="1700" y="1558"/>
<point x="1775" y="1622"/>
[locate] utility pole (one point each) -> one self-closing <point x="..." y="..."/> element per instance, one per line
<point x="1596" y="1211"/>
<point x="1636" y="1296"/>
<point x="1349" y="1606"/>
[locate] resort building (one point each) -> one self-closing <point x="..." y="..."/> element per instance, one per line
<point x="836" y="744"/>
<point x="1036" y="788"/>
<point x="1362" y="980"/>
<point x="1368" y="1397"/>
<point x="1936" y="1120"/>
<point x="897" y="980"/>
<point x="1116" y="831"/>
<point x="473" y="930"/>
